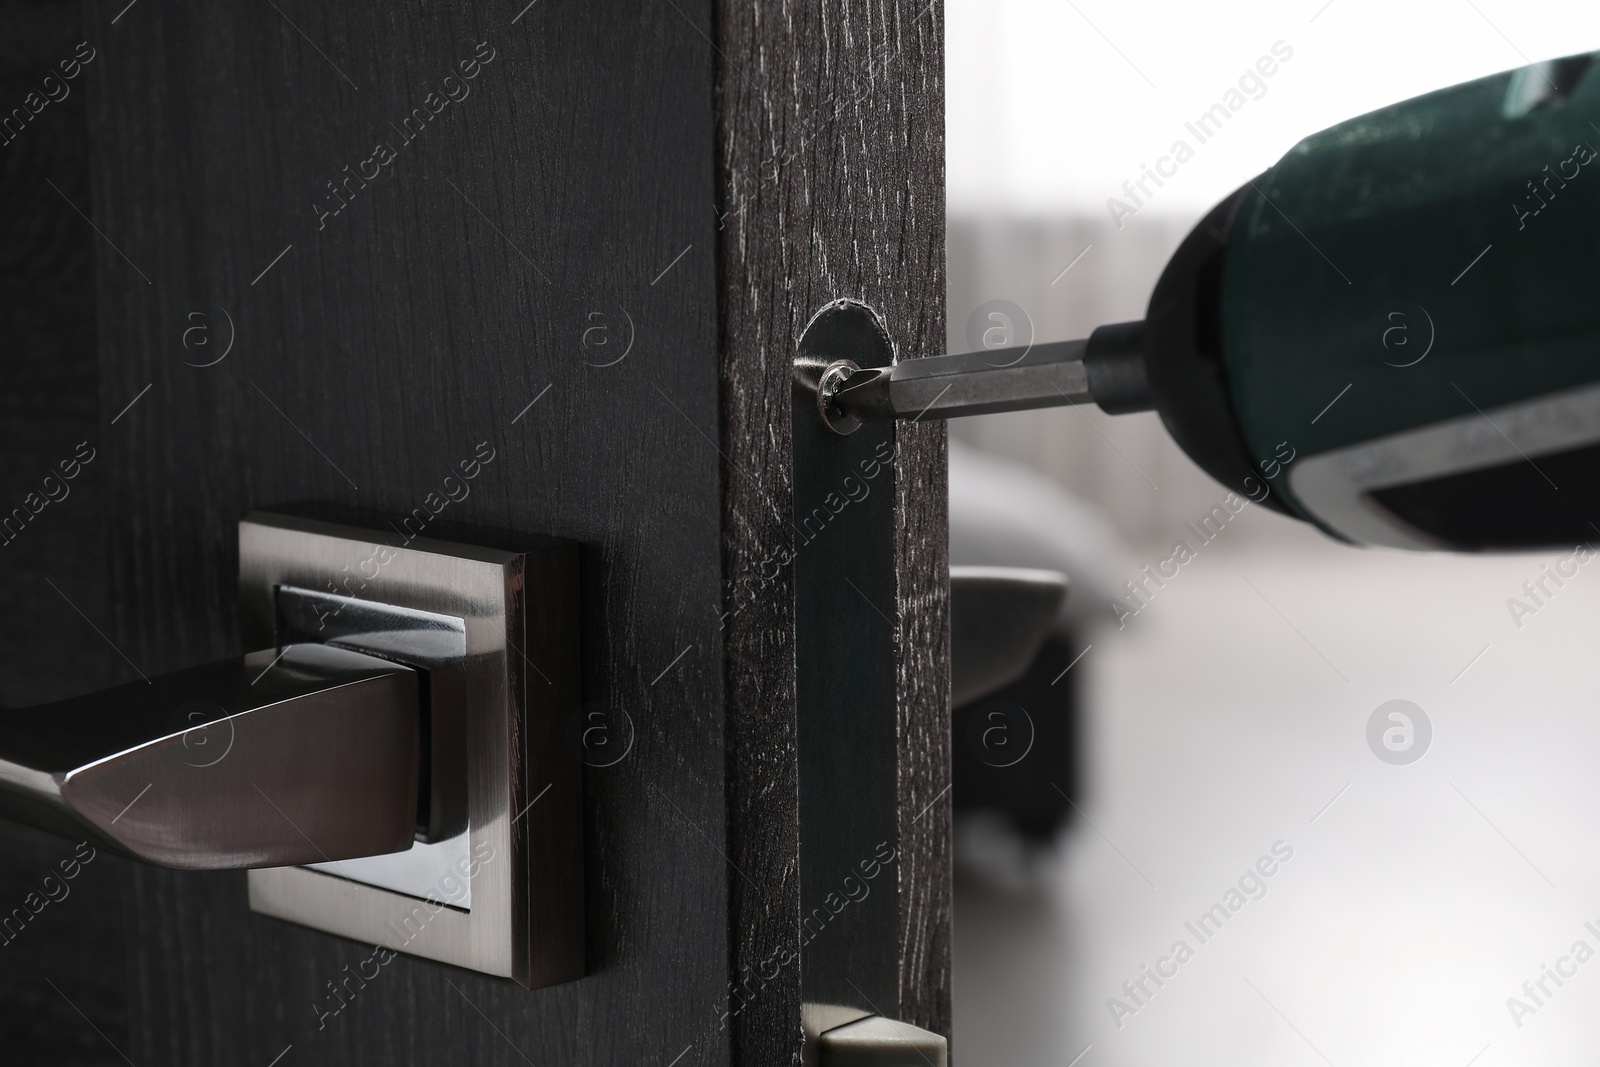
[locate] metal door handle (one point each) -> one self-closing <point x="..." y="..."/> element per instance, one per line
<point x="300" y="754"/>
<point x="999" y="618"/>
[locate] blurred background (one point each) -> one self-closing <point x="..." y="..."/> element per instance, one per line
<point x="1231" y="715"/>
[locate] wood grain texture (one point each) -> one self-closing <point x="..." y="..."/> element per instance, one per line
<point x="377" y="345"/>
<point x="831" y="146"/>
<point x="63" y="975"/>
<point x="48" y="395"/>
<point x="703" y="199"/>
<point x="63" y="982"/>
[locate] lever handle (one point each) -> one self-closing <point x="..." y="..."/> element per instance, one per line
<point x="999" y="618"/>
<point x="276" y="758"/>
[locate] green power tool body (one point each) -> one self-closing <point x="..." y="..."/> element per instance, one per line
<point x="1433" y="265"/>
<point x="1394" y="333"/>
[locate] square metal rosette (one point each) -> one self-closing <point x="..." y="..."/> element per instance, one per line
<point x="494" y="879"/>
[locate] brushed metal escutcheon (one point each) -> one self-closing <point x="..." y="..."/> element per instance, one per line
<point x="494" y="880"/>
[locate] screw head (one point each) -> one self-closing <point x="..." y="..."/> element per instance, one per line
<point x="834" y="375"/>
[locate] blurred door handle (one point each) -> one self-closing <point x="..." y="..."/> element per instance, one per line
<point x="875" y="1041"/>
<point x="303" y="754"/>
<point x="999" y="616"/>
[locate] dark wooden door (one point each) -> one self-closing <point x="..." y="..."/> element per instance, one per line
<point x="585" y="236"/>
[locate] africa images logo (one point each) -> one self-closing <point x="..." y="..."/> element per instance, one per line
<point x="1399" y="732"/>
<point x="1206" y="125"/>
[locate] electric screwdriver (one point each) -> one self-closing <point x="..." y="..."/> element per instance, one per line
<point x="1404" y="308"/>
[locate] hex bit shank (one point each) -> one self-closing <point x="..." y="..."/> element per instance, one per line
<point x="1107" y="368"/>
